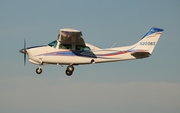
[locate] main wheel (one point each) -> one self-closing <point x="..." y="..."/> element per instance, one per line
<point x="68" y="73"/>
<point x="38" y="70"/>
<point x="70" y="68"/>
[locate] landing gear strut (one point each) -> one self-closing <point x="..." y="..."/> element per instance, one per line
<point x="69" y="70"/>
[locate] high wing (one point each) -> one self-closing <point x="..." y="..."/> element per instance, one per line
<point x="70" y="36"/>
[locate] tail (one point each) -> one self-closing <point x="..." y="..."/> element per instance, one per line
<point x="146" y="45"/>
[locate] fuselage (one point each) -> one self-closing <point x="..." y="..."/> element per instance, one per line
<point x="50" y="55"/>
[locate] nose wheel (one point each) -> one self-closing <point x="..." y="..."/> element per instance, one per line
<point x="38" y="70"/>
<point x="69" y="70"/>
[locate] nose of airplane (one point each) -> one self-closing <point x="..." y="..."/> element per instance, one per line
<point x="22" y="51"/>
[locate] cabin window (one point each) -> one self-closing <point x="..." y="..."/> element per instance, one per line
<point x="53" y="44"/>
<point x="65" y="46"/>
<point x="82" y="48"/>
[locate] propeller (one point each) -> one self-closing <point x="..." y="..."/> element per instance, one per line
<point x="24" y="51"/>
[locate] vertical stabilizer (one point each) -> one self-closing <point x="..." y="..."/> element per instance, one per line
<point x="149" y="40"/>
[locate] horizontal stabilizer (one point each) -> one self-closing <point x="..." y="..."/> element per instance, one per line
<point x="139" y="55"/>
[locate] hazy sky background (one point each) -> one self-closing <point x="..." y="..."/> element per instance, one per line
<point x="149" y="85"/>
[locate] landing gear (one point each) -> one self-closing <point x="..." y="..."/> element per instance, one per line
<point x="69" y="73"/>
<point x="69" y="70"/>
<point x="38" y="70"/>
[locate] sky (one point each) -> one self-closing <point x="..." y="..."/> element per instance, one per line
<point x="150" y="85"/>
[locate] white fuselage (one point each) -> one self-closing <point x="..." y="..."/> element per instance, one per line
<point x="50" y="55"/>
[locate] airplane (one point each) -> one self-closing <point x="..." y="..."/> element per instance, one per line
<point x="70" y="49"/>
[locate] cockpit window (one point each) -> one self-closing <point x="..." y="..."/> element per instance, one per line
<point x="65" y="46"/>
<point x="82" y="48"/>
<point x="53" y="44"/>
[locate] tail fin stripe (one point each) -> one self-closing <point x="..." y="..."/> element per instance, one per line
<point x="152" y="30"/>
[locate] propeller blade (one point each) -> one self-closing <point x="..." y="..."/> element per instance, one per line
<point x="24" y="43"/>
<point x="24" y="59"/>
<point x="25" y="52"/>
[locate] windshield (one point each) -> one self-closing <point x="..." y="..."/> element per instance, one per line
<point x="53" y="44"/>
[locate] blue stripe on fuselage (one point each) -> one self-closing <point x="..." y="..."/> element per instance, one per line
<point x="71" y="53"/>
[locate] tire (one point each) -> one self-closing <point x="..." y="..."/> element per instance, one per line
<point x="68" y="73"/>
<point x="38" y="70"/>
<point x="70" y="68"/>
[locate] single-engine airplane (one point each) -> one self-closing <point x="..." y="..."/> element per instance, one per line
<point x="70" y="49"/>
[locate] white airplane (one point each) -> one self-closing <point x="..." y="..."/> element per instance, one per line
<point x="70" y="49"/>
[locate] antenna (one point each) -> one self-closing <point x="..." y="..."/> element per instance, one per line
<point x="113" y="45"/>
